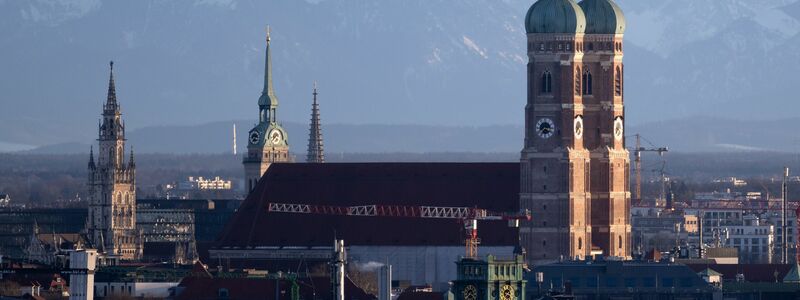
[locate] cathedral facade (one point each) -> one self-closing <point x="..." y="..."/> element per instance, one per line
<point x="574" y="165"/>
<point x="267" y="141"/>
<point x="111" y="222"/>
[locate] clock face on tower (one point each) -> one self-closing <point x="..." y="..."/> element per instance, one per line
<point x="470" y="292"/>
<point x="618" y="129"/>
<point x="545" y="128"/>
<point x="254" y="136"/>
<point x="275" y="137"/>
<point x="506" y="292"/>
<point x="578" y="127"/>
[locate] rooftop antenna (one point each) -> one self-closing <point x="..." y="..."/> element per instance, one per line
<point x="234" y="139"/>
<point x="784" y="227"/>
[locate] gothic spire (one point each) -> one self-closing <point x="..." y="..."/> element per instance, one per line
<point x="268" y="97"/>
<point x="91" y="157"/>
<point x="111" y="101"/>
<point x="131" y="162"/>
<point x="316" y="153"/>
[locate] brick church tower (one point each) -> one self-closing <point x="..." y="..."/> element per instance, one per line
<point x="574" y="162"/>
<point x="267" y="141"/>
<point x="112" y="187"/>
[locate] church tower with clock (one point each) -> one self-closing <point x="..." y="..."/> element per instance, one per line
<point x="574" y="166"/>
<point x="267" y="141"/>
<point x="490" y="279"/>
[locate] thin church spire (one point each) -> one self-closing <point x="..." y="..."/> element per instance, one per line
<point x="268" y="101"/>
<point x="316" y="153"/>
<point x="268" y="88"/>
<point x="111" y="101"/>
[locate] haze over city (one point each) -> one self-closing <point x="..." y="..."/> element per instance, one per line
<point x="399" y="149"/>
<point x="435" y="63"/>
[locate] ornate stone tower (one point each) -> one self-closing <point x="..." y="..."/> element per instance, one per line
<point x="574" y="162"/>
<point x="267" y="141"/>
<point x="316" y="152"/>
<point x="604" y="120"/>
<point x="112" y="187"/>
<point x="490" y="279"/>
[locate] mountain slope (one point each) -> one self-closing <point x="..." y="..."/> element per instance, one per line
<point x="435" y="62"/>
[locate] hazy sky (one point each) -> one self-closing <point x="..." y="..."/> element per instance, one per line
<point x="388" y="62"/>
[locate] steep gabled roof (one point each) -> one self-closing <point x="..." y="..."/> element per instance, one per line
<point x="492" y="186"/>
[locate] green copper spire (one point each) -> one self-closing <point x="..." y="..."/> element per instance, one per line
<point x="268" y="97"/>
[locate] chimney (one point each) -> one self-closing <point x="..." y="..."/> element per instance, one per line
<point x="385" y="284"/>
<point x="338" y="260"/>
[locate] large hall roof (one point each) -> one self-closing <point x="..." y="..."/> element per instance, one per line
<point x="491" y="186"/>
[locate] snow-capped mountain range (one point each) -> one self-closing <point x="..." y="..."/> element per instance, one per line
<point x="432" y="62"/>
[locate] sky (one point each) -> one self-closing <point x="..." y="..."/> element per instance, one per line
<point x="431" y="62"/>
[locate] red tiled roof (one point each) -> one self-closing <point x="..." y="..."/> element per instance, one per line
<point x="492" y="186"/>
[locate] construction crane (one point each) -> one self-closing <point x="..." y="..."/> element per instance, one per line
<point x="468" y="215"/>
<point x="637" y="152"/>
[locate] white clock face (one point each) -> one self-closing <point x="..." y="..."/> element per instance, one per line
<point x="578" y="127"/>
<point x="275" y="137"/>
<point x="619" y="131"/>
<point x="545" y="128"/>
<point x="254" y="136"/>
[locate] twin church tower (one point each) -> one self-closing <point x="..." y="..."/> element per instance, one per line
<point x="574" y="165"/>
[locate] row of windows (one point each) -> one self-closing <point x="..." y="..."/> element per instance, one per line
<point x="583" y="82"/>
<point x="499" y="270"/>
<point x="581" y="47"/>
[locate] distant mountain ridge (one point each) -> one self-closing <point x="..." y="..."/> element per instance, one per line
<point x="695" y="134"/>
<point x="447" y="63"/>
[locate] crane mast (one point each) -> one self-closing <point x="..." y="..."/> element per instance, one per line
<point x="637" y="152"/>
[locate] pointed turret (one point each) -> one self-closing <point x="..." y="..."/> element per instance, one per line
<point x="111" y="100"/>
<point x="131" y="162"/>
<point x="92" y="166"/>
<point x="316" y="153"/>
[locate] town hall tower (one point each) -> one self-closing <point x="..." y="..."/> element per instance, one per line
<point x="112" y="187"/>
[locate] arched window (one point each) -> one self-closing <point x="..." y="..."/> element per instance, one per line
<point x="547" y="82"/>
<point x="578" y="81"/>
<point x="580" y="243"/>
<point x="619" y="242"/>
<point x="587" y="82"/>
<point x="618" y="82"/>
<point x="544" y="243"/>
